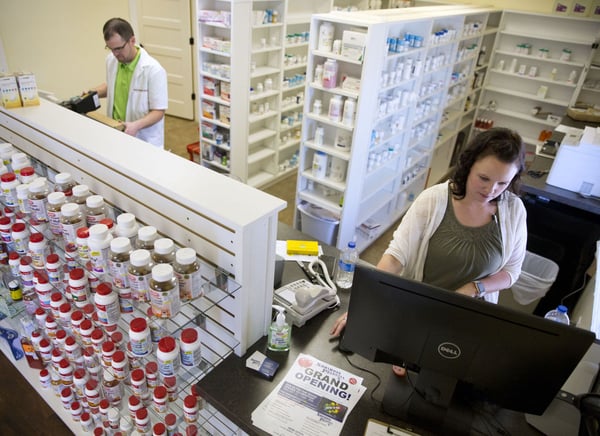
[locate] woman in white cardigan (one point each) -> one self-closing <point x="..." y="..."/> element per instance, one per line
<point x="468" y="234"/>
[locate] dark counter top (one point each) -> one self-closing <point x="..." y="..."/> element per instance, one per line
<point x="539" y="187"/>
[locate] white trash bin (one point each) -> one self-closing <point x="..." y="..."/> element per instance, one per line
<point x="319" y="223"/>
<point x="537" y="276"/>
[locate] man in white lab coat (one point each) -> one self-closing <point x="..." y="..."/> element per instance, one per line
<point x="136" y="84"/>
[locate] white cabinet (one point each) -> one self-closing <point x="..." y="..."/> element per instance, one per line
<point x="379" y="161"/>
<point x="252" y="69"/>
<point x="538" y="66"/>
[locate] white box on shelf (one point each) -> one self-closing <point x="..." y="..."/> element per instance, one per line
<point x="353" y="45"/>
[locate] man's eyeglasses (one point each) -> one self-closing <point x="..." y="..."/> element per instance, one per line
<point x="116" y="49"/>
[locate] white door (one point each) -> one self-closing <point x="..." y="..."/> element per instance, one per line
<point x="164" y="29"/>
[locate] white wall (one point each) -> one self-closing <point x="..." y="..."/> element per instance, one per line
<point x="60" y="41"/>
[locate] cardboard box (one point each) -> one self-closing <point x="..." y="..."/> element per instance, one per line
<point x="224" y="114"/>
<point x="9" y="90"/>
<point x="209" y="110"/>
<point x="105" y="119"/>
<point x="226" y="91"/>
<point x="28" y="89"/>
<point x="210" y="86"/>
<point x="208" y="131"/>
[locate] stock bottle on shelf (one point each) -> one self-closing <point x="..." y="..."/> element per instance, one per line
<point x="164" y="291"/>
<point x="187" y="271"/>
<point x="63" y="182"/>
<point x="95" y="209"/>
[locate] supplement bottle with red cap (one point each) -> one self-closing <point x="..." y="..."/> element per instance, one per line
<point x="159" y="429"/>
<point x="20" y="236"/>
<point x="54" y="270"/>
<point x="139" y="337"/>
<point x="190" y="348"/>
<point x="159" y="400"/>
<point x="167" y="356"/>
<point x="78" y="284"/>
<point x="8" y="184"/>
<point x="190" y="409"/>
<point x="28" y="175"/>
<point x="142" y="421"/>
<point x="38" y="250"/>
<point x="139" y="386"/>
<point x="82" y="242"/>
<point x="107" y="306"/>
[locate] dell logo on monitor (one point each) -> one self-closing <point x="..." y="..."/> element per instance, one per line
<point x="448" y="350"/>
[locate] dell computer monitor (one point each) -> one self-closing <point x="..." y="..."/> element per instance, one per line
<point x="458" y="350"/>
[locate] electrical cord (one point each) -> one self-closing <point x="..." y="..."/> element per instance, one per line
<point x="323" y="277"/>
<point x="368" y="371"/>
<point x="585" y="279"/>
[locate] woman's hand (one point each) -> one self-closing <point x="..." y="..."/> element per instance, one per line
<point x="468" y="289"/>
<point x="339" y="325"/>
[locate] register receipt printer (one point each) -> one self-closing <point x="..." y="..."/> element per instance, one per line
<point x="575" y="166"/>
<point x="82" y="104"/>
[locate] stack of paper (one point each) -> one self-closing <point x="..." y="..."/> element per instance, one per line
<point x="315" y="398"/>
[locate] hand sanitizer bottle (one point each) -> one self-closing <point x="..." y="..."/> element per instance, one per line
<point x="280" y="332"/>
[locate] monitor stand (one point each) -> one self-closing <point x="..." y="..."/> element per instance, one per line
<point x="438" y="408"/>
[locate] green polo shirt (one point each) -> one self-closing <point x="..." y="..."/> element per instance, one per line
<point x="122" y="82"/>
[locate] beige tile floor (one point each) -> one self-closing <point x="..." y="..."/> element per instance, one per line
<point x="179" y="133"/>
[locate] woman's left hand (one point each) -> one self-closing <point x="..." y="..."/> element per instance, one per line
<point x="339" y="325"/>
<point x="468" y="289"/>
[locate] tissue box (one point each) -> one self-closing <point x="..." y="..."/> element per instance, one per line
<point x="9" y="90"/>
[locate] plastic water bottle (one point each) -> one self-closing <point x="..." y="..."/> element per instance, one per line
<point x="559" y="315"/>
<point x="346" y="264"/>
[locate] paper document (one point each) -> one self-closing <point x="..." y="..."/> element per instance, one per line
<point x="315" y="398"/>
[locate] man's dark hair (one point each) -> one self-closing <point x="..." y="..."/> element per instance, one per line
<point x="117" y="26"/>
<point x="504" y="144"/>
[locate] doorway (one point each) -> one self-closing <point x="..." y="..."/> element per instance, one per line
<point x="164" y="28"/>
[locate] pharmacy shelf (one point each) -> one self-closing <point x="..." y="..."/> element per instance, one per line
<point x="382" y="138"/>
<point x="260" y="46"/>
<point x="554" y="47"/>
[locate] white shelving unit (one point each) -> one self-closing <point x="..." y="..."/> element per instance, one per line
<point x="468" y="72"/>
<point x="401" y="97"/>
<point x="540" y="63"/>
<point x="258" y="85"/>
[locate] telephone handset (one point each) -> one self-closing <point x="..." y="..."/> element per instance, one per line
<point x="303" y="300"/>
